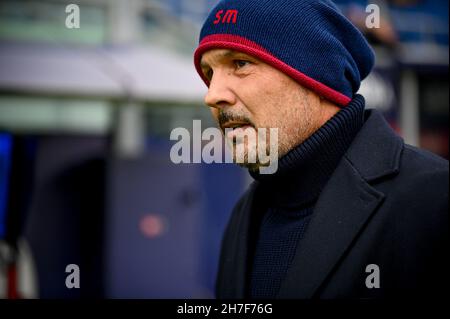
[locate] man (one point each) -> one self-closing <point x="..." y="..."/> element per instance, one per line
<point x="352" y="211"/>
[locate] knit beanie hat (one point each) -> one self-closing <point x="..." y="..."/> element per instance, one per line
<point x="309" y="40"/>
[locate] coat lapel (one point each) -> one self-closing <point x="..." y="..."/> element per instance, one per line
<point x="344" y="207"/>
<point x="346" y="204"/>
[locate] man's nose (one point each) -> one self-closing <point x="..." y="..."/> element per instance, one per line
<point x="220" y="93"/>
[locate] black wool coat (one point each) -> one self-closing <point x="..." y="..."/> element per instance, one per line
<point x="379" y="228"/>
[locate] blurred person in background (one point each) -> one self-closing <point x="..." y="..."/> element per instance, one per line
<point x="352" y="211"/>
<point x="400" y="21"/>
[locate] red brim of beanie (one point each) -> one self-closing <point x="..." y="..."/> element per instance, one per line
<point x="238" y="43"/>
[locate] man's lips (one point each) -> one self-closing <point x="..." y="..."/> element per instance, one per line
<point x="235" y="125"/>
<point x="235" y="129"/>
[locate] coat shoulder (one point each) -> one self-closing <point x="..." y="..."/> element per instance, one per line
<point x="420" y="166"/>
<point x="419" y="192"/>
<point x="423" y="159"/>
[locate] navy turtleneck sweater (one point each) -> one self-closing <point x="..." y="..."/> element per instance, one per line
<point x="289" y="196"/>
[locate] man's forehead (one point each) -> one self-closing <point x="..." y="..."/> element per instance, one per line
<point x="218" y="54"/>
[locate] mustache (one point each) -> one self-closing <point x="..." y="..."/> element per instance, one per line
<point x="225" y="117"/>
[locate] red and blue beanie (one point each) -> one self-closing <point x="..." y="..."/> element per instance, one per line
<point x="309" y="40"/>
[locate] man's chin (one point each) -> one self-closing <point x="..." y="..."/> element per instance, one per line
<point x="254" y="167"/>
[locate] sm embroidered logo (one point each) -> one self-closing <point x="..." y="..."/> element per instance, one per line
<point x="230" y="16"/>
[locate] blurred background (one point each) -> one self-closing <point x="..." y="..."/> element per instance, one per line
<point x="85" y="120"/>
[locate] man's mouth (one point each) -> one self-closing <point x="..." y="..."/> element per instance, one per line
<point x="234" y="129"/>
<point x="236" y="125"/>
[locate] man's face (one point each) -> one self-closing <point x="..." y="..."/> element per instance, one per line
<point x="249" y="93"/>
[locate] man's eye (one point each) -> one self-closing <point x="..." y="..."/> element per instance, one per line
<point x="241" y="63"/>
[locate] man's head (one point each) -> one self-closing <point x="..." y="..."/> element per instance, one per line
<point x="286" y="64"/>
<point x="244" y="90"/>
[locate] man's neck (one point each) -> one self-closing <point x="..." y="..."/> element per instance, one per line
<point x="305" y="169"/>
